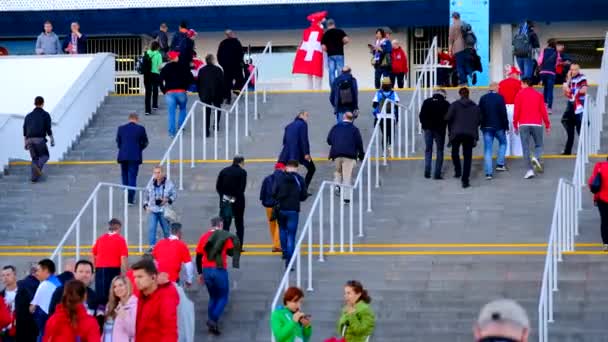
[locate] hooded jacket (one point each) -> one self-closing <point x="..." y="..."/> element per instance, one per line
<point x="433" y="112"/>
<point x="157" y="315"/>
<point x="463" y="119"/>
<point x="266" y="190"/>
<point x="357" y="325"/>
<point x="59" y="328"/>
<point x="157" y="60"/>
<point x="289" y="190"/>
<point x="284" y="329"/>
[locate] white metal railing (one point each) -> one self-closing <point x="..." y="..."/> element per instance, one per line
<point x="317" y="215"/>
<point x="426" y="82"/>
<point x="95" y="209"/>
<point x="568" y="200"/>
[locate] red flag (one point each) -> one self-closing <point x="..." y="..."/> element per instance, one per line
<point x="309" y="56"/>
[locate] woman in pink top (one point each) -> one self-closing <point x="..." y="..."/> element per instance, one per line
<point x="121" y="312"/>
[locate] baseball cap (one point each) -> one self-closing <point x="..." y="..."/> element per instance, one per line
<point x="503" y="311"/>
<point x="173" y="55"/>
<point x="279" y="166"/>
<point x="386" y="81"/>
<point x="514" y="71"/>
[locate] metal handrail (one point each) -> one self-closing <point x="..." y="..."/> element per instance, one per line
<point x="423" y="89"/>
<point x="317" y="210"/>
<point x="568" y="200"/>
<point x="92" y="202"/>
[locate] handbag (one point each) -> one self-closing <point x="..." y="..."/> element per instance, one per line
<point x="226" y="211"/>
<point x="596" y="184"/>
<point x="169" y="214"/>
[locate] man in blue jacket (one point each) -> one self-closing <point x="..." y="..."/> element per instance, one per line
<point x="494" y="124"/>
<point x="269" y="203"/>
<point x="131" y="140"/>
<point x="346" y="147"/>
<point x="296" y="145"/>
<point x="344" y="95"/>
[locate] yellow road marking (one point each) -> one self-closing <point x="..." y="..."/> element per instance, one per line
<point x="356" y="253"/>
<point x="269" y="160"/>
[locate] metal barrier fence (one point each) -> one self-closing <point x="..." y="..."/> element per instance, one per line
<point x="426" y="82"/>
<point x="568" y="200"/>
<point x="94" y="210"/>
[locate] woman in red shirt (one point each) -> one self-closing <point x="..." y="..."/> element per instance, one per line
<point x="399" y="65"/>
<point x="601" y="198"/>
<point x="71" y="322"/>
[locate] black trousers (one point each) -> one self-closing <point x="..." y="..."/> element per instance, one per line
<point x="151" y="84"/>
<point x="233" y="79"/>
<point x="467" y="152"/>
<point x="40" y="155"/>
<point x="571" y="121"/>
<point x="603" y="209"/>
<point x="103" y="282"/>
<point x="310" y="171"/>
<point x="210" y="117"/>
<point x="238" y="212"/>
<point x="400" y="77"/>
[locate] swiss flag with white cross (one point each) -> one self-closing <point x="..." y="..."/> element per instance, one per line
<point x="309" y="56"/>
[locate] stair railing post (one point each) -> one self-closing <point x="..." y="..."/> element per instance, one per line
<point x="126" y="213"/>
<point x="141" y="220"/>
<point x="321" y="258"/>
<point x="205" y="109"/>
<point x="309" y="228"/>
<point x="192" y="127"/>
<point x="331" y="219"/>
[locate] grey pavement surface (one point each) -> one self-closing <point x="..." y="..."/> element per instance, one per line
<point x="421" y="297"/>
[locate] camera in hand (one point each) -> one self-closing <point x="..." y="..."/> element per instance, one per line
<point x="159" y="202"/>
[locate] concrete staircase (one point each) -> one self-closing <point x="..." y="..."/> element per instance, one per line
<point x="428" y="294"/>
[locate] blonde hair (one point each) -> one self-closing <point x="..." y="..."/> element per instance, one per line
<point x="113" y="300"/>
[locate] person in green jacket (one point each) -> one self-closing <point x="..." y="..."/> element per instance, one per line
<point x="357" y="321"/>
<point x="288" y="323"/>
<point x="152" y="77"/>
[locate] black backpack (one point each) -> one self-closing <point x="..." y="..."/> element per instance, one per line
<point x="345" y="89"/>
<point x="144" y="64"/>
<point x="521" y="42"/>
<point x="470" y="39"/>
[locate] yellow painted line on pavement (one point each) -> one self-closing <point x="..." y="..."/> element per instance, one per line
<point x="266" y="160"/>
<point x="356" y="253"/>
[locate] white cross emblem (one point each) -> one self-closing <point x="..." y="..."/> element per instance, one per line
<point x="311" y="45"/>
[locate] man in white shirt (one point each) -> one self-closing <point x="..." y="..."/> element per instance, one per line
<point x="39" y="306"/>
<point x="9" y="279"/>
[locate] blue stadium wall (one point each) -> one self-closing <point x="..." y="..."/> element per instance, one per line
<point x="269" y="17"/>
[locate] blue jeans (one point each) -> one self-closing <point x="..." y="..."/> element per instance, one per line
<point x="334" y="67"/>
<point x="463" y="66"/>
<point x="288" y="228"/>
<point x="40" y="317"/>
<point x="439" y="139"/>
<point x="153" y="220"/>
<point x="548" y="83"/>
<point x="488" y="143"/>
<point x="174" y="100"/>
<point x="129" y="172"/>
<point x="525" y="65"/>
<point x="216" y="280"/>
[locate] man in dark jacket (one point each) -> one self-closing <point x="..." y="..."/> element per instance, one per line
<point x="36" y="127"/>
<point x="289" y="190"/>
<point x="230" y="56"/>
<point x="230" y="186"/>
<point x="463" y="118"/>
<point x="175" y="79"/>
<point x="432" y="120"/>
<point x="75" y="42"/>
<point x="494" y="124"/>
<point x="186" y="49"/>
<point x="346" y="147"/>
<point x="211" y="89"/>
<point x="296" y="145"/>
<point x="131" y="140"/>
<point x="179" y="36"/>
<point x="163" y="40"/>
<point x="269" y="203"/>
<point x="27" y="331"/>
<point x="344" y="96"/>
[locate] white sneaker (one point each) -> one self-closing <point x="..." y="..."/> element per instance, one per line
<point x="529" y="174"/>
<point x="537" y="166"/>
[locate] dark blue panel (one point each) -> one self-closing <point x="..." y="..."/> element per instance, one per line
<point x="406" y="13"/>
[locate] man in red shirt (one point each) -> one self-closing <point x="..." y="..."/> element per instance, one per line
<point x="156" y="307"/>
<point x="530" y="114"/>
<point x="508" y="88"/>
<point x="171" y="253"/>
<point x="211" y="252"/>
<point x="110" y="253"/>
